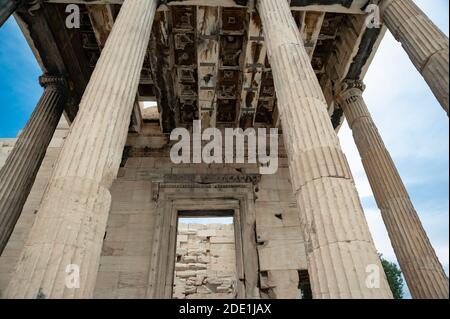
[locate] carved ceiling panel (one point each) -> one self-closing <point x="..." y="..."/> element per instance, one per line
<point x="210" y="63"/>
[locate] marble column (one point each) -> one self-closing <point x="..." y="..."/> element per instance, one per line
<point x="7" y="8"/>
<point x="426" y="45"/>
<point x="342" y="259"/>
<point x="61" y="256"/>
<point x="22" y="165"/>
<point x="423" y="272"/>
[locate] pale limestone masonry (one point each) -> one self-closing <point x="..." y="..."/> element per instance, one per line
<point x="72" y="217"/>
<point x="126" y="252"/>
<point x="20" y="169"/>
<point x="205" y="265"/>
<point x="426" y="45"/>
<point x="6" y="146"/>
<point x="421" y="267"/>
<point x="339" y="247"/>
<point x="129" y="250"/>
<point x="11" y="253"/>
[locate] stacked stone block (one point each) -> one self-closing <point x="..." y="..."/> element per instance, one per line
<point x="205" y="265"/>
<point x="281" y="246"/>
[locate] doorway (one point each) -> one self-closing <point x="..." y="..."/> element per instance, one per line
<point x="205" y="258"/>
<point x="176" y="201"/>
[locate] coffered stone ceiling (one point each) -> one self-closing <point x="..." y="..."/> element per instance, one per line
<point x="207" y="58"/>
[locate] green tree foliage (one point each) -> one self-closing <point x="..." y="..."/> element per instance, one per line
<point x="394" y="277"/>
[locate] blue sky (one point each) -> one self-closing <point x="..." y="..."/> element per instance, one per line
<point x="414" y="127"/>
<point x="19" y="85"/>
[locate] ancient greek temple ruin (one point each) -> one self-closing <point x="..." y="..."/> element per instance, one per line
<point x="90" y="199"/>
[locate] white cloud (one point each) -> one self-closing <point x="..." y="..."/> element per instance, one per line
<point x="149" y="104"/>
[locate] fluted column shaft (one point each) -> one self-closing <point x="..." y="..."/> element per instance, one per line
<point x="339" y="247"/>
<point x="426" y="45"/>
<point x="7" y="8"/>
<point x="422" y="270"/>
<point x="19" y="172"/>
<point x="71" y="222"/>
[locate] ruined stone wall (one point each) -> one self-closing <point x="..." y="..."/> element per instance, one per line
<point x="205" y="265"/>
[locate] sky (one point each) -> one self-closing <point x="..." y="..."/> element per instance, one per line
<point x="413" y="125"/>
<point x="208" y="220"/>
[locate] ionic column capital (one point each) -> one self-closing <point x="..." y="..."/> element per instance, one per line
<point x="48" y="81"/>
<point x="349" y="98"/>
<point x="352" y="85"/>
<point x="348" y="91"/>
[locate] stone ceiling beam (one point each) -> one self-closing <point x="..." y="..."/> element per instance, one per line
<point x="348" y="7"/>
<point x="136" y="118"/>
<point x="266" y="114"/>
<point x="183" y="48"/>
<point x="354" y="52"/>
<point x="102" y="20"/>
<point x="253" y="68"/>
<point x="208" y="26"/>
<point x="37" y="32"/>
<point x="160" y="53"/>
<point x="312" y="24"/>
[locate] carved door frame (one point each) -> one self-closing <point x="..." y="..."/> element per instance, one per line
<point x="174" y="197"/>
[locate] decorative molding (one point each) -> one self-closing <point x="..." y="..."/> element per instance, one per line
<point x="349" y="91"/>
<point x="160" y="276"/>
<point x="353" y="84"/>
<point x="192" y="185"/>
<point x="204" y="181"/>
<point x="212" y="179"/>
